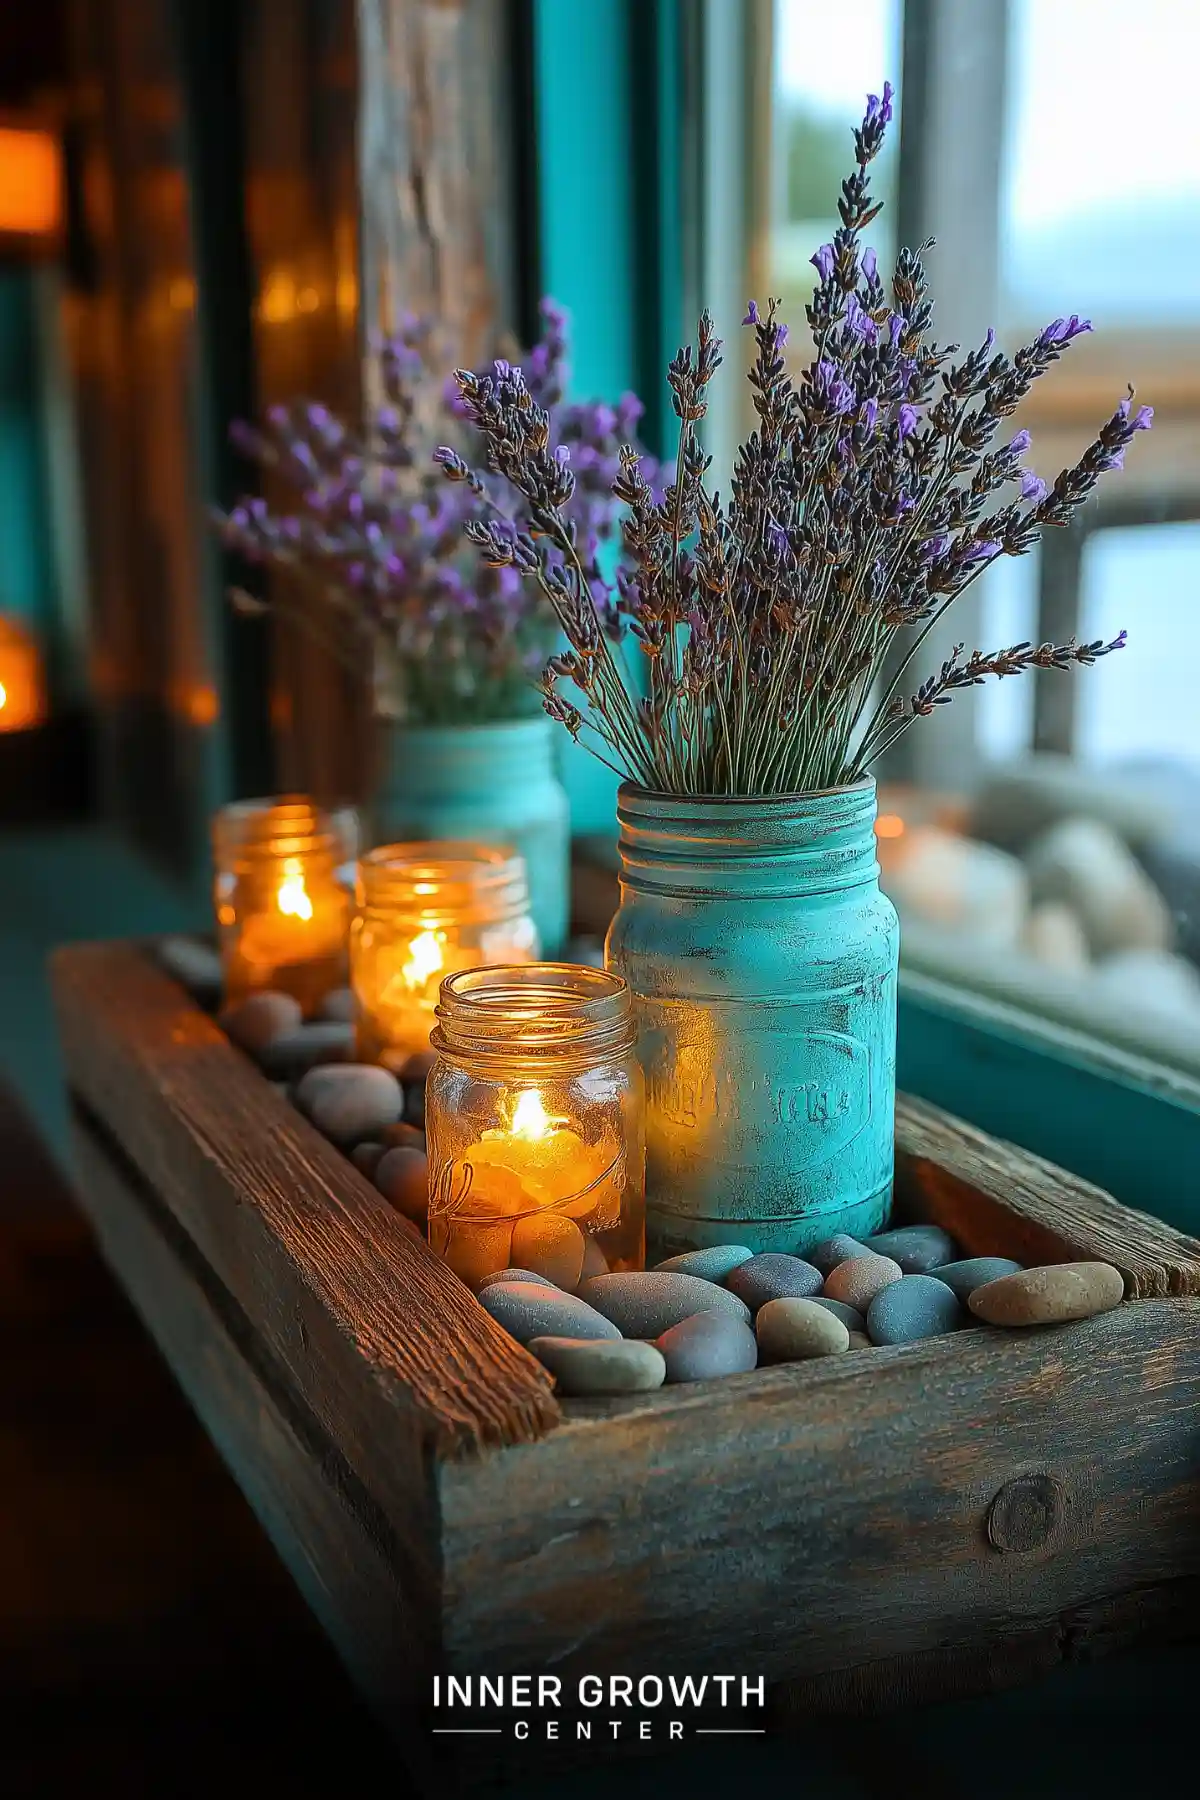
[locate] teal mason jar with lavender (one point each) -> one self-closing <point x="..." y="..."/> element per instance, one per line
<point x="763" y="961"/>
<point x="497" y="784"/>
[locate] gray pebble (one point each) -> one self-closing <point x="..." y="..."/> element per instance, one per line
<point x="350" y="1101"/>
<point x="256" y="1021"/>
<point x="713" y="1264"/>
<point x="850" y="1316"/>
<point x="965" y="1277"/>
<point x="860" y="1341"/>
<point x="773" y="1276"/>
<point x="292" y="1055"/>
<point x="518" y="1275"/>
<point x="794" y="1330"/>
<point x="417" y="1066"/>
<point x="368" y="1157"/>
<point x="834" y="1250"/>
<point x="599" y="1366"/>
<point x="708" y="1345"/>
<point x="401" y="1136"/>
<point x="594" y="1261"/>
<point x="856" y="1283"/>
<point x="414" y="1104"/>
<point x="402" y="1177"/>
<point x="195" y="966"/>
<point x="339" y="1006"/>
<point x="919" y="1306"/>
<point x="529" y="1309"/>
<point x="917" y="1248"/>
<point x="646" y="1303"/>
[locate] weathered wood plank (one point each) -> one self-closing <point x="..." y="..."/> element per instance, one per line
<point x="384" y="1343"/>
<point x="375" y="1596"/>
<point x="796" y="1515"/>
<point x="998" y="1200"/>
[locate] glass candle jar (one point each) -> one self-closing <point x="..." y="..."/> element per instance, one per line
<point x="534" y="1123"/>
<point x="283" y="916"/>
<point x="423" y="912"/>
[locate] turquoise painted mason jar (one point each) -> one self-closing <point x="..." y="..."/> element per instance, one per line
<point x="495" y="784"/>
<point x="763" y="960"/>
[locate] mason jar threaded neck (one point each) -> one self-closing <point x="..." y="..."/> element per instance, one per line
<point x="444" y="883"/>
<point x="777" y="847"/>
<point x="284" y="825"/>
<point x="530" y="1011"/>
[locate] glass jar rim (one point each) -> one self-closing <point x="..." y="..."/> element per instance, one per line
<point x="447" y="881"/>
<point x="281" y="825"/>
<point x="533" y="1009"/>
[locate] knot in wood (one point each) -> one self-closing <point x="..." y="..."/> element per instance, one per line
<point x="1024" y="1513"/>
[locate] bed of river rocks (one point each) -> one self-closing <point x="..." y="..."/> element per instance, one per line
<point x="704" y="1314"/>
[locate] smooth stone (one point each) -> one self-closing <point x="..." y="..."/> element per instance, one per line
<point x="595" y="1366"/>
<point x="368" y="1157"/>
<point x="339" y="1006"/>
<point x="850" y="1316"/>
<point x="713" y="1264"/>
<point x="1150" y="981"/>
<point x="971" y="892"/>
<point x="195" y="966"/>
<point x="402" y="1136"/>
<point x="475" y="1251"/>
<point x="350" y="1101"/>
<point x="414" y="1104"/>
<point x="1052" y="1295"/>
<point x="792" y="1330"/>
<point x="839" y="1248"/>
<point x="918" y="1306"/>
<point x="1053" y="934"/>
<point x="773" y="1276"/>
<point x="976" y="1272"/>
<point x="417" y="1066"/>
<point x="308" y="1047"/>
<point x="1020" y="799"/>
<point x="708" y="1345"/>
<point x="860" y="1341"/>
<point x="1085" y="865"/>
<point x="856" y="1283"/>
<point x="402" y="1177"/>
<point x="516" y="1275"/>
<point x="551" y="1245"/>
<point x="527" y="1310"/>
<point x="917" y="1248"/>
<point x="259" y="1019"/>
<point x="594" y="1260"/>
<point x="647" y="1303"/>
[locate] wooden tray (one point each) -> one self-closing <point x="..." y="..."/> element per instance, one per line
<point x="913" y="1522"/>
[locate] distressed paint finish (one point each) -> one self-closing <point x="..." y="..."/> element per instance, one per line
<point x="763" y="958"/>
<point x="497" y="784"/>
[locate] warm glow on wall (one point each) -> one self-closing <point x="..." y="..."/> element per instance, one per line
<point x="31" y="185"/>
<point x="22" y="691"/>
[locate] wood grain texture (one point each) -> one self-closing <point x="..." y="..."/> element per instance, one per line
<point x="794" y="1516"/>
<point x="998" y="1200"/>
<point x="379" y="1337"/>
<point x="376" y="1602"/>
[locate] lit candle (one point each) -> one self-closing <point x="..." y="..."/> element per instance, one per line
<point x="426" y="911"/>
<point x="551" y="1163"/>
<point x="282" y="913"/>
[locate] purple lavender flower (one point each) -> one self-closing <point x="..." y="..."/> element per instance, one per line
<point x="896" y="324"/>
<point x="1020" y="443"/>
<point x="751" y="317"/>
<point x="1032" y="486"/>
<point x="1144" y="419"/>
<point x="977" y="551"/>
<point x="870" y="412"/>
<point x="1061" y="331"/>
<point x="869" y="262"/>
<point x="859" y="321"/>
<point x="906" y="420"/>
<point x="879" y="111"/>
<point x="824" y="261"/>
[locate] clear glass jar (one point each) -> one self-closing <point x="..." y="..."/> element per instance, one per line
<point x="425" y="911"/>
<point x="283" y="916"/>
<point x="230" y="824"/>
<point x="534" y="1122"/>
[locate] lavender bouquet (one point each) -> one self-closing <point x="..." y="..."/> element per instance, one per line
<point x="775" y="629"/>
<point x="374" y="548"/>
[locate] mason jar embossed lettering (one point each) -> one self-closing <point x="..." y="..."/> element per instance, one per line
<point x="763" y="959"/>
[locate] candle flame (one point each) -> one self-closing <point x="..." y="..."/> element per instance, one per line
<point x="889" y="825"/>
<point x="529" y="1119"/>
<point x="293" y="895"/>
<point x="3" y="696"/>
<point x="424" y="960"/>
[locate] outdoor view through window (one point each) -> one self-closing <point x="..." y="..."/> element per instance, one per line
<point x="1043" y="843"/>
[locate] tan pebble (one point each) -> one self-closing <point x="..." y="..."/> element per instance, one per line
<point x="1051" y="1295"/>
<point x="474" y="1251"/>
<point x="792" y="1330"/>
<point x="551" y="1246"/>
<point x="594" y="1261"/>
<point x="856" y="1282"/>
<point x="860" y="1341"/>
<point x="598" y="1366"/>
